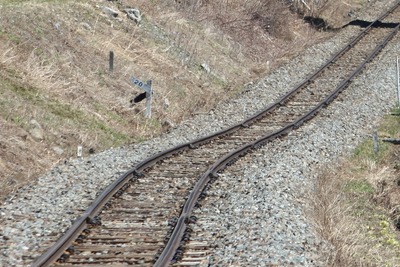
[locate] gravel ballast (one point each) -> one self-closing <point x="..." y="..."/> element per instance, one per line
<point x="275" y="175"/>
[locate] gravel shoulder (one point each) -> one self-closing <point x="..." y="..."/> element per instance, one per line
<point x="276" y="175"/>
<point x="269" y="188"/>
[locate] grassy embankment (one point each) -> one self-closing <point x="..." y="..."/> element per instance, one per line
<point x="357" y="204"/>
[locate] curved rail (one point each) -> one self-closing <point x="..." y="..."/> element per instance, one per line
<point x="54" y="252"/>
<point x="180" y="228"/>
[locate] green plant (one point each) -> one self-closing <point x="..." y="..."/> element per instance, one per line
<point x="366" y="150"/>
<point x="359" y="186"/>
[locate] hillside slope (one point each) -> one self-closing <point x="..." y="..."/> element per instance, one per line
<point x="57" y="91"/>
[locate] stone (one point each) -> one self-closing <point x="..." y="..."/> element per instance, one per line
<point x="167" y="124"/>
<point x="110" y="12"/>
<point x="133" y="14"/>
<point x="36" y="130"/>
<point x="58" y="150"/>
<point x="86" y="26"/>
<point x="205" y="67"/>
<point x="57" y="25"/>
<point x="166" y="104"/>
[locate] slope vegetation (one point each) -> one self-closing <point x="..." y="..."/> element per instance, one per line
<point x="57" y="91"/>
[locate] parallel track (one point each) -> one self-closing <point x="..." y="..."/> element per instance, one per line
<point x="142" y="218"/>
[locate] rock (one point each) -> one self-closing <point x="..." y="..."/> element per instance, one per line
<point x="34" y="124"/>
<point x="166" y="104"/>
<point x="167" y="124"/>
<point x="36" y="130"/>
<point x="109" y="11"/>
<point x="206" y="67"/>
<point x="86" y="26"/>
<point x="58" y="150"/>
<point x="205" y="85"/>
<point x="133" y="14"/>
<point x="57" y="25"/>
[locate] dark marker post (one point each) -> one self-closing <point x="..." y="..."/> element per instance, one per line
<point x="111" y="61"/>
<point x="148" y="99"/>
<point x="398" y="83"/>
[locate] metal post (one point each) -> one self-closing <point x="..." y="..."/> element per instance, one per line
<point x="148" y="99"/>
<point x="111" y="63"/>
<point x="376" y="142"/>
<point x="398" y="84"/>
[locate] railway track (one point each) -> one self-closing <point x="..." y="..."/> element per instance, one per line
<point x="143" y="217"/>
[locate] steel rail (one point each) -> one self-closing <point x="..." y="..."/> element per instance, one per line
<point x="176" y="236"/>
<point x="66" y="240"/>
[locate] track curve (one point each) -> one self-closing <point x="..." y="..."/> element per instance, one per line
<point x="141" y="212"/>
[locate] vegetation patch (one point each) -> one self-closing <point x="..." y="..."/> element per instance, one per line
<point x="54" y="69"/>
<point x="357" y="205"/>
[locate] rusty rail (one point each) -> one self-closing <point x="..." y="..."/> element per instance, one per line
<point x="180" y="227"/>
<point x="54" y="252"/>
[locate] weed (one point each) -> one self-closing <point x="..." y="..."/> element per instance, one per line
<point x="350" y="196"/>
<point x="391" y="125"/>
<point x="12" y="37"/>
<point x="359" y="187"/>
<point x="366" y="150"/>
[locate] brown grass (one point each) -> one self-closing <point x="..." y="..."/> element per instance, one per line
<point x="334" y="222"/>
<point x="54" y="69"/>
<point x="348" y="213"/>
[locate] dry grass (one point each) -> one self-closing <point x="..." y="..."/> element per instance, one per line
<point x="54" y="69"/>
<point x="335" y="13"/>
<point x="351" y="211"/>
<point x="334" y="221"/>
